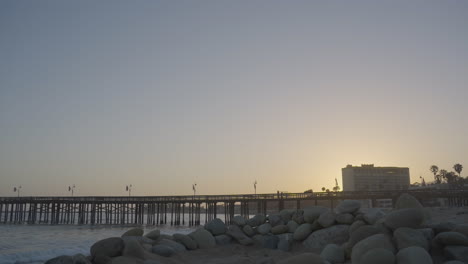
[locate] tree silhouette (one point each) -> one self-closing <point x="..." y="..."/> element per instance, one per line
<point x="458" y="168"/>
<point x="323" y="189"/>
<point x="434" y="169"/>
<point x="443" y="174"/>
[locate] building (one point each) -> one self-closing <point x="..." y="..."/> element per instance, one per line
<point x="369" y="178"/>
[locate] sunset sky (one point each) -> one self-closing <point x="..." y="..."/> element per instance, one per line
<point x="162" y="94"/>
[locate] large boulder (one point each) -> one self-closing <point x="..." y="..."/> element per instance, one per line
<point x="369" y="243"/>
<point x="236" y="233"/>
<point x="450" y="239"/>
<point x="411" y="217"/>
<point x="109" y="247"/>
<point x="326" y="219"/>
<point x="178" y="247"/>
<point x="337" y="234"/>
<point x="312" y="213"/>
<point x="304" y="258"/>
<point x="222" y="240"/>
<point x="361" y="233"/>
<point x="413" y="255"/>
<point x="133" y="249"/>
<point x="126" y="260"/>
<point x="333" y="254"/>
<point x="239" y="220"/>
<point x="264" y="229"/>
<point x="256" y="220"/>
<point x="461" y="229"/>
<point x="347" y="206"/>
<point x="285" y="241"/>
<point x="372" y="215"/>
<point x="407" y="201"/>
<point x="298" y="216"/>
<point x="134" y="232"/>
<point x="248" y="230"/>
<point x="270" y="241"/>
<point x="286" y="215"/>
<point x="163" y="250"/>
<point x="344" y="219"/>
<point x="216" y="227"/>
<point x="185" y="240"/>
<point x="279" y="229"/>
<point x="303" y="231"/>
<point x="292" y="226"/>
<point x="203" y="238"/>
<point x="407" y="237"/>
<point x="355" y="225"/>
<point x="378" y="256"/>
<point x="459" y="253"/>
<point x="276" y="219"/>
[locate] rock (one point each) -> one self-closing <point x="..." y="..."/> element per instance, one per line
<point x="411" y="217"/>
<point x="236" y="233"/>
<point x="80" y="259"/>
<point x="223" y="240"/>
<point x="185" y="240"/>
<point x="285" y="215"/>
<point x="407" y="237"/>
<point x="126" y="260"/>
<point x="461" y="229"/>
<point x="451" y="239"/>
<point x="413" y="255"/>
<point x="270" y="241"/>
<point x="337" y="234"/>
<point x="279" y="229"/>
<point x="133" y="248"/>
<point x="134" y="232"/>
<point x="378" y="255"/>
<point x="304" y="258"/>
<point x="354" y="226"/>
<point x="369" y="243"/>
<point x="178" y="247"/>
<point x="459" y="253"/>
<point x="428" y="233"/>
<point x="443" y="227"/>
<point x="333" y="254"/>
<point x="326" y="219"/>
<point x="275" y="219"/>
<point x="60" y="260"/>
<point x="216" y="227"/>
<point x="203" y="238"/>
<point x="285" y="241"/>
<point x="347" y="206"/>
<point x="454" y="262"/>
<point x="406" y="201"/>
<point x="100" y="259"/>
<point x="264" y="229"/>
<point x="256" y="220"/>
<point x="312" y="213"/>
<point x="248" y="230"/>
<point x="298" y="216"/>
<point x="303" y="231"/>
<point x="372" y="215"/>
<point x="344" y="219"/>
<point x="163" y="250"/>
<point x="292" y="226"/>
<point x="238" y="220"/>
<point x="109" y="247"/>
<point x="360" y="234"/>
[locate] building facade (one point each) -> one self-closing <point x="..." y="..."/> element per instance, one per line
<point x="367" y="177"/>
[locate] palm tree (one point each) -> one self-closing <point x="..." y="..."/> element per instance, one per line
<point x="434" y="169"/>
<point x="443" y="175"/>
<point x="458" y="168"/>
<point x="323" y="189"/>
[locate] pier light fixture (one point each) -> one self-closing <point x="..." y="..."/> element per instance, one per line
<point x="129" y="189"/>
<point x="71" y="189"/>
<point x="17" y="189"/>
<point x="255" y="187"/>
<point x="194" y="188"/>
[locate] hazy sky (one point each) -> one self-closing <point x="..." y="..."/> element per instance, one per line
<point x="162" y="94"/>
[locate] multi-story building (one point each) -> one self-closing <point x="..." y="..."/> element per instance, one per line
<point x="370" y="178"/>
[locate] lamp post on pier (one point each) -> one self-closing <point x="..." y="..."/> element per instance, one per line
<point x="17" y="189"/>
<point x="71" y="189"/>
<point x="129" y="190"/>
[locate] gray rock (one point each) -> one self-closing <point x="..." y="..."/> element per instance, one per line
<point x="413" y="255"/>
<point x="459" y="253"/>
<point x="163" y="250"/>
<point x="216" y="227"/>
<point x="133" y="249"/>
<point x="279" y="229"/>
<point x="239" y="220"/>
<point x="333" y="254"/>
<point x="203" y="238"/>
<point x="443" y="227"/>
<point x="109" y="247"/>
<point x="407" y="201"/>
<point x="248" y="230"/>
<point x="270" y="241"/>
<point x="152" y="261"/>
<point x="222" y="240"/>
<point x="461" y="229"/>
<point x="428" y="233"/>
<point x="80" y="259"/>
<point x="373" y="215"/>
<point x="337" y="234"/>
<point x="344" y="219"/>
<point x="100" y="259"/>
<point x="347" y="206"/>
<point x="236" y="233"/>
<point x="292" y="226"/>
<point x="369" y="243"/>
<point x="134" y="232"/>
<point x="153" y="234"/>
<point x="407" y="237"/>
<point x="256" y="220"/>
<point x="354" y="226"/>
<point x="302" y="232"/>
<point x="326" y="219"/>
<point x="185" y="240"/>
<point x="178" y="247"/>
<point x="304" y="258"/>
<point x="285" y="215"/>
<point x="126" y="260"/>
<point x="450" y="239"/>
<point x="378" y="255"/>
<point x="298" y="216"/>
<point x="285" y="242"/>
<point x="454" y="262"/>
<point x="264" y="229"/>
<point x="361" y="233"/>
<point x="312" y="213"/>
<point x="275" y="219"/>
<point x="411" y="217"/>
<point x="60" y="260"/>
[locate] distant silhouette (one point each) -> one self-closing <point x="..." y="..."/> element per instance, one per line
<point x="434" y="169"/>
<point x="458" y="168"/>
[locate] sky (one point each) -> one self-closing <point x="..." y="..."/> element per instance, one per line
<point x="164" y="94"/>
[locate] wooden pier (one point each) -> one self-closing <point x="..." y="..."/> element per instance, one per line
<point x="188" y="210"/>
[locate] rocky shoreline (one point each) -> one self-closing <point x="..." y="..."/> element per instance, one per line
<point x="347" y="234"/>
